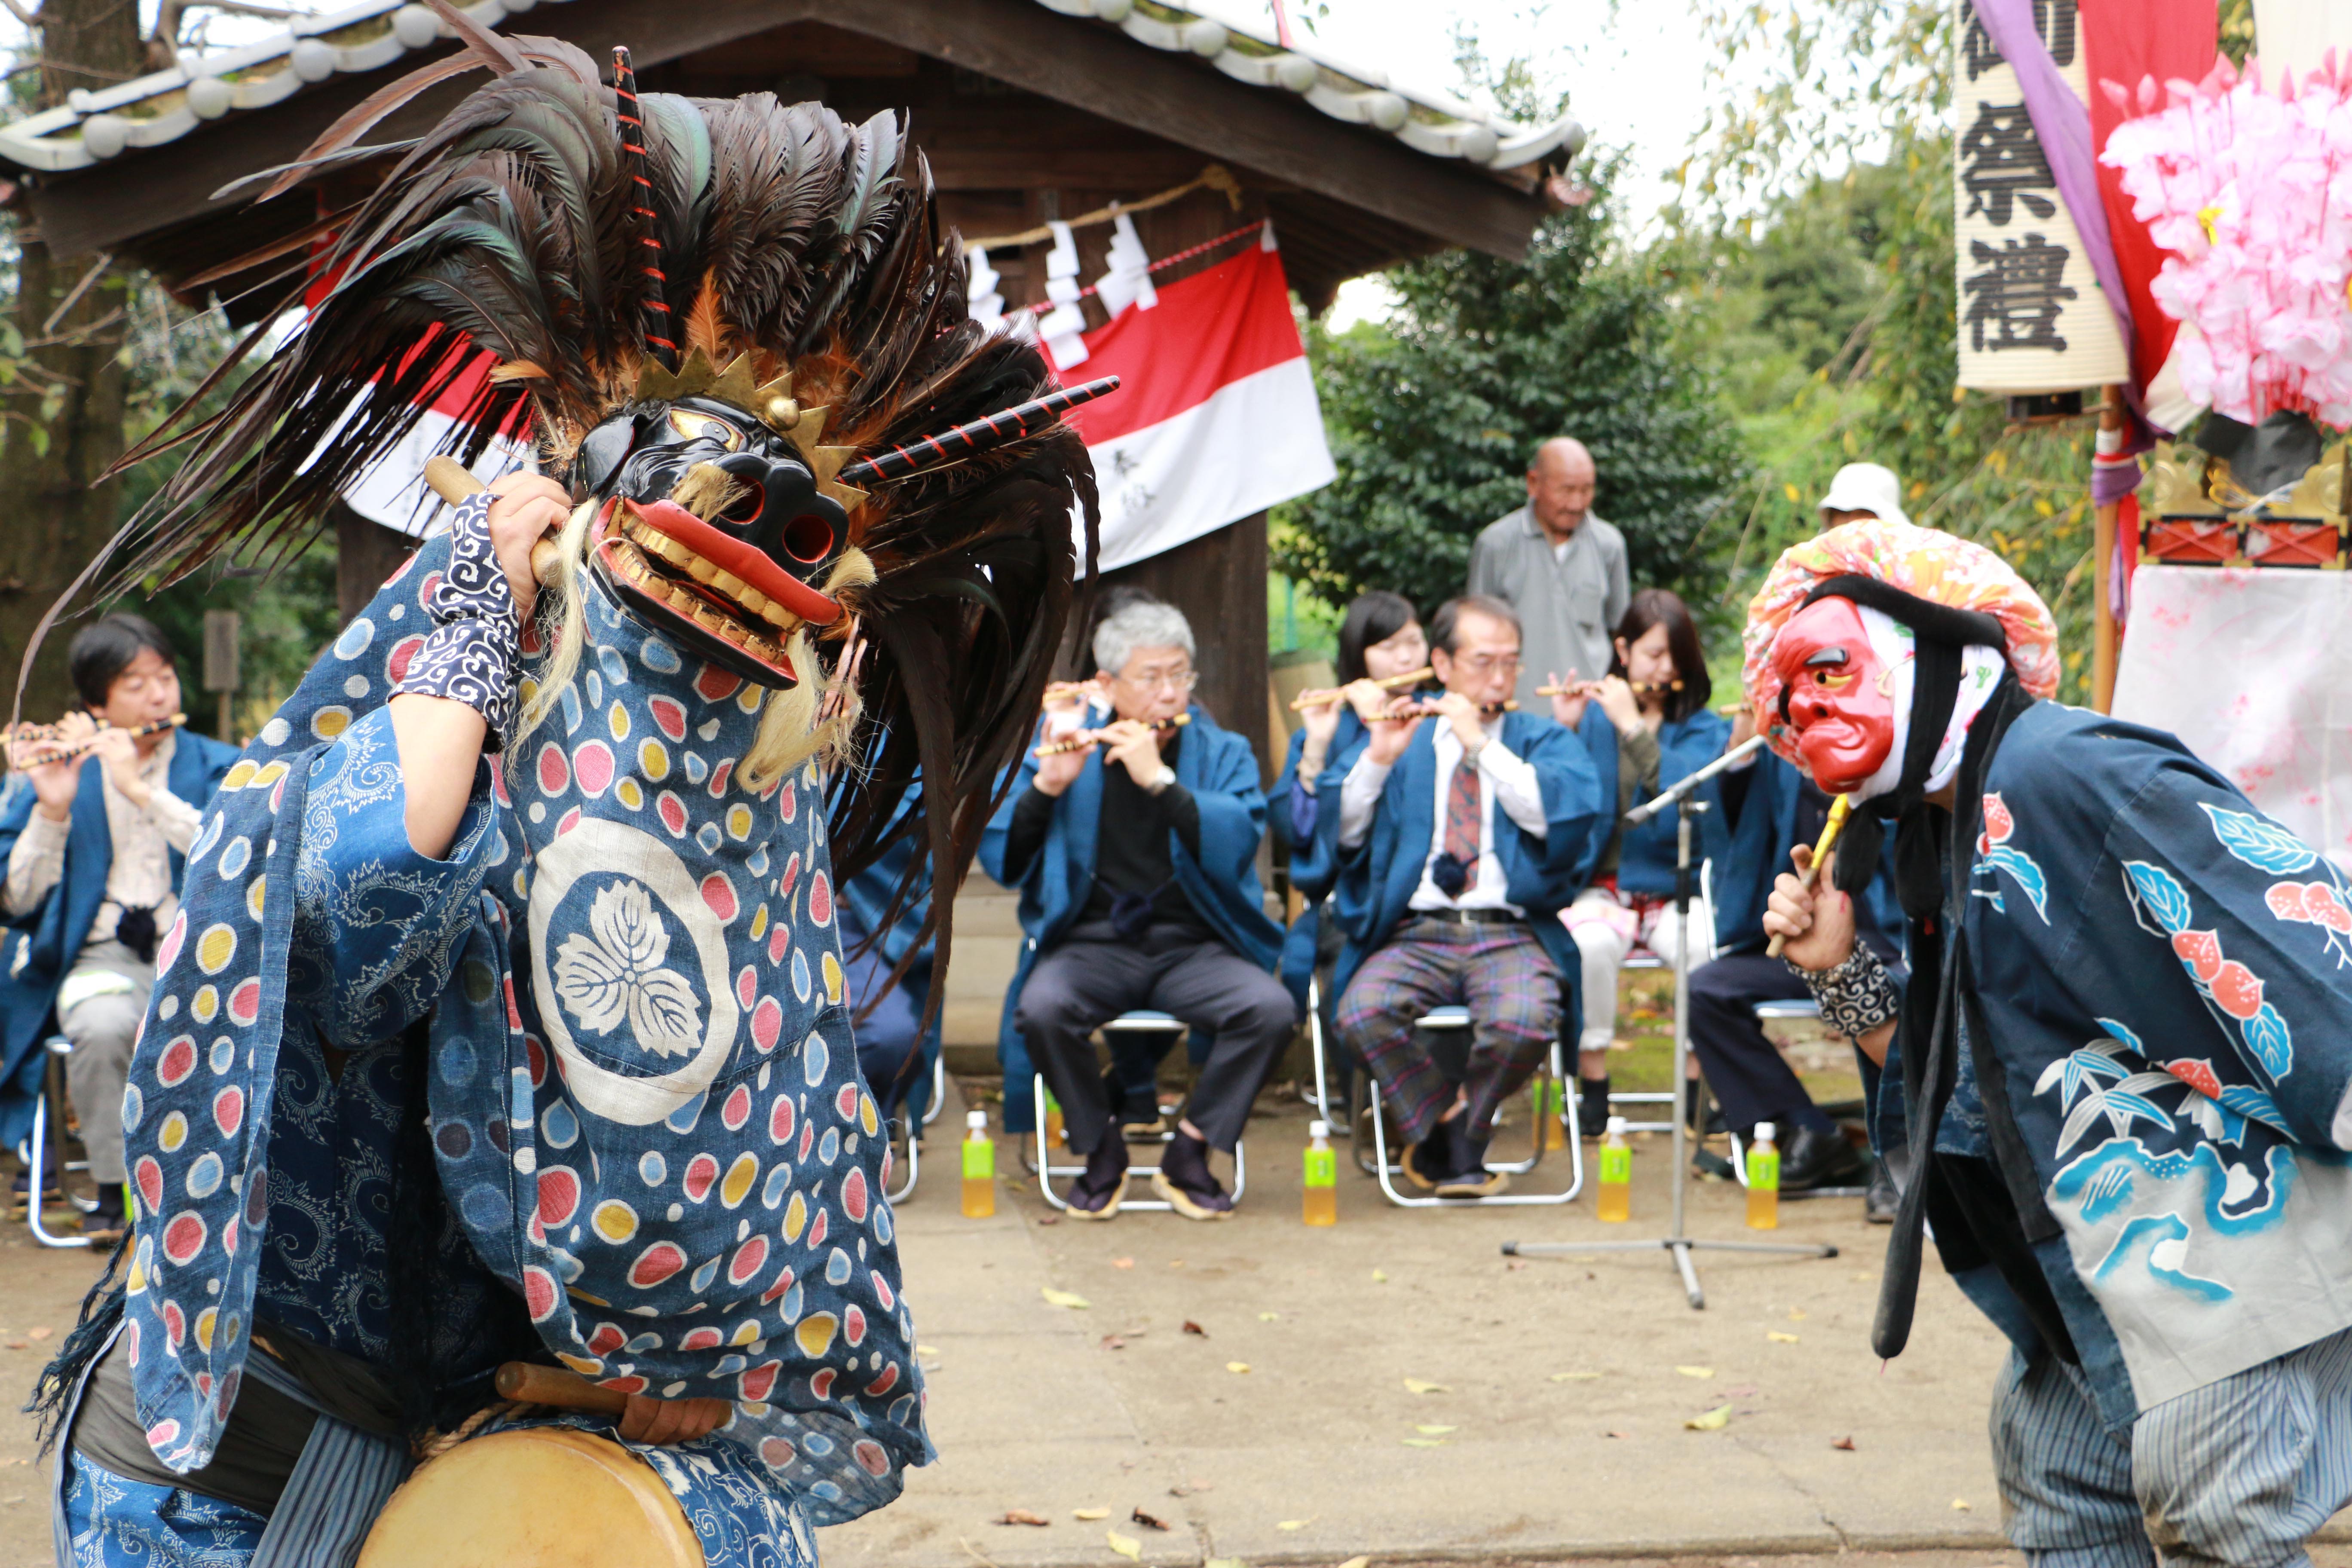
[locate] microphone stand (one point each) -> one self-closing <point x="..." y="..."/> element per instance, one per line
<point x="1677" y="1242"/>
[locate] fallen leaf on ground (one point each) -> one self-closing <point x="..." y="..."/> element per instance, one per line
<point x="1122" y="1263"/>
<point x="1049" y="1219"/>
<point x="1022" y="1516"/>
<point x="1615" y="1433"/>
<point x="1224" y="1562"/>
<point x="1425" y="1442"/>
<point x="1070" y="1299"/>
<point x="1175" y="1262"/>
<point x="1844" y="1443"/>
<point x="1430" y="1431"/>
<point x="1127" y="1546"/>
<point x="1357" y="1563"/>
<point x="1796" y="1314"/>
<point x="1423" y="1385"/>
<point x="1294" y="1523"/>
<point x="927" y="1350"/>
<point x="1744" y="1391"/>
<point x="1021" y="1186"/>
<point x="1113" y="1342"/>
<point x="15" y="1344"/>
<point x="1236" y="1366"/>
<point x="1145" y="1520"/>
<point x="1514" y="1265"/>
<point x="1192" y="1328"/>
<point x="1715" y="1420"/>
<point x="1574" y="1376"/>
<point x="1960" y="1505"/>
<point x="1269" y="1317"/>
<point x="1696" y="1371"/>
<point x="1778" y="1337"/>
<point x="1195" y="1485"/>
<point x="1091" y="1513"/>
<point x="39" y="1333"/>
<point x="1380" y="1276"/>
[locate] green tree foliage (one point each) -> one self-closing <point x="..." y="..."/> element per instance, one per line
<point x="1433" y="418"/>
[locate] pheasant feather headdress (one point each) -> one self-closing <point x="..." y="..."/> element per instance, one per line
<point x="752" y="281"/>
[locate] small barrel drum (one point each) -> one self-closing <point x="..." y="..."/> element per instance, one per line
<point x="543" y="1496"/>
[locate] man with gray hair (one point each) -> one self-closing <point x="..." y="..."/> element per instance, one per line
<point x="1135" y="855"/>
<point x="1560" y="567"/>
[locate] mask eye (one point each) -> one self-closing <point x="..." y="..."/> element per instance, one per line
<point x="695" y="426"/>
<point x="1832" y="680"/>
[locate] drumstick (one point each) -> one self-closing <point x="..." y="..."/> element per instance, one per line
<point x="1839" y="808"/>
<point x="453" y="482"/>
<point x="527" y="1382"/>
<point x="1307" y="700"/>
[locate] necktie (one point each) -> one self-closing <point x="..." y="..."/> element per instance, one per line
<point x="1462" y="801"/>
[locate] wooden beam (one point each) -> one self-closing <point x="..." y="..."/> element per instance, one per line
<point x="1082" y="64"/>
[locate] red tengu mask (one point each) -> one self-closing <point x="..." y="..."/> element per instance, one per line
<point x="1834" y="694"/>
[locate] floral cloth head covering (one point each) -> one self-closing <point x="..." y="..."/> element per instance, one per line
<point x="1924" y="561"/>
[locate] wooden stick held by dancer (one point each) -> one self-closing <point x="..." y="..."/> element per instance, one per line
<point x="35" y="734"/>
<point x="1323" y="699"/>
<point x="1085" y="738"/>
<point x="1840" y="809"/>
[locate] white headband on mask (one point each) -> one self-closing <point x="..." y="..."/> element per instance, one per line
<point x="1895" y="646"/>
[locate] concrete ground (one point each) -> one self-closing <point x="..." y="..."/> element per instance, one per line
<point x="1390" y="1388"/>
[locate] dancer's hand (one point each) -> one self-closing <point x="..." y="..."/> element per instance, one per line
<point x="1817" y="923"/>
<point x="651" y="1420"/>
<point x="528" y="507"/>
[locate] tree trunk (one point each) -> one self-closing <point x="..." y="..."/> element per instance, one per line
<point x="65" y="409"/>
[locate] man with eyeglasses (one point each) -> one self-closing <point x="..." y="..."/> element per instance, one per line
<point x="1135" y="857"/>
<point x="1464" y="831"/>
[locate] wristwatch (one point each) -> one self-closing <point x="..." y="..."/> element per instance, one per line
<point x="1166" y="776"/>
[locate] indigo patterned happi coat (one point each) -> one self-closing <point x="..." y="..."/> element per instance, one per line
<point x="2164" y="979"/>
<point x="644" y="1102"/>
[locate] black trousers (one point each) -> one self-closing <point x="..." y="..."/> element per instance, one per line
<point x="1745" y="1071"/>
<point x="1092" y="976"/>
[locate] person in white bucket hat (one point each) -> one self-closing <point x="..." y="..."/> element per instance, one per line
<point x="1859" y="491"/>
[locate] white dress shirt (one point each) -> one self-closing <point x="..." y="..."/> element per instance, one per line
<point x="141" y="873"/>
<point x="1503" y="778"/>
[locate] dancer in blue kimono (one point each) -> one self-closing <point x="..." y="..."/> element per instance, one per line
<point x="2123" y="1053"/>
<point x="504" y="1019"/>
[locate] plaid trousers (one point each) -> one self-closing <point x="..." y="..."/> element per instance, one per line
<point x="1499" y="971"/>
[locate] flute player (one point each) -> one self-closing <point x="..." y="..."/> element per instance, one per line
<point x="94" y="853"/>
<point x="1136" y="862"/>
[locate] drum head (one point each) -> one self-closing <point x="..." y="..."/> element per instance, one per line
<point x="545" y="1497"/>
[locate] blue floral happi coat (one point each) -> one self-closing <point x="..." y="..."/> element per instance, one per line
<point x="644" y="1104"/>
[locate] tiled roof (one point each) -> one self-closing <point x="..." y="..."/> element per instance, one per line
<point x="150" y="111"/>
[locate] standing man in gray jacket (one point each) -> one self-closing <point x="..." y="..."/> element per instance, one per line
<point x="1561" y="567"/>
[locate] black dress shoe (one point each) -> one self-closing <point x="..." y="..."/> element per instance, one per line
<point x="1813" y="1159"/>
<point x="1879" y="1204"/>
<point x="1591" y="1107"/>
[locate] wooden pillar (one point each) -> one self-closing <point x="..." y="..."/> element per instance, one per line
<point x="1219" y="582"/>
<point x="2102" y="559"/>
<point x="366" y="553"/>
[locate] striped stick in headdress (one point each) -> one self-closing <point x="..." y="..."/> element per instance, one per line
<point x="658" y="342"/>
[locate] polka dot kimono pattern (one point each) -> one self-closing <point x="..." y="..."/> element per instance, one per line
<point x="644" y="1100"/>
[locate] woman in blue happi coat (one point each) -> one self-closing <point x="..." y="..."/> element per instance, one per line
<point x="505" y="1017"/>
<point x="2123" y="1054"/>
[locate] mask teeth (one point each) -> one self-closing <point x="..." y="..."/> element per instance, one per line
<point x="662" y="547"/>
<point x="689" y="605"/>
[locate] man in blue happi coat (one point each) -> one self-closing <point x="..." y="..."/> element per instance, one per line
<point x="2123" y="1056"/>
<point x="94" y="846"/>
<point x="1135" y="854"/>
<point x="1463" y="830"/>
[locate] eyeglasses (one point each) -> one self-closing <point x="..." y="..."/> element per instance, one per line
<point x="1483" y="665"/>
<point x="1179" y="680"/>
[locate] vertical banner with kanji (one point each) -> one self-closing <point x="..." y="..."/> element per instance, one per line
<point x="2032" y="318"/>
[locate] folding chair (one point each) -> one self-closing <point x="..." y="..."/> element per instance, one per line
<point x="1145" y="1022"/>
<point x="56" y="1048"/>
<point x="1454" y="1021"/>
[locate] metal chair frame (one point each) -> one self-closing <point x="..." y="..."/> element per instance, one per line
<point x="1142" y="1021"/>
<point x="56" y="1049"/>
<point x="1385" y="1170"/>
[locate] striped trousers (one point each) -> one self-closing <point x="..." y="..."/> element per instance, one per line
<point x="2236" y="1474"/>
